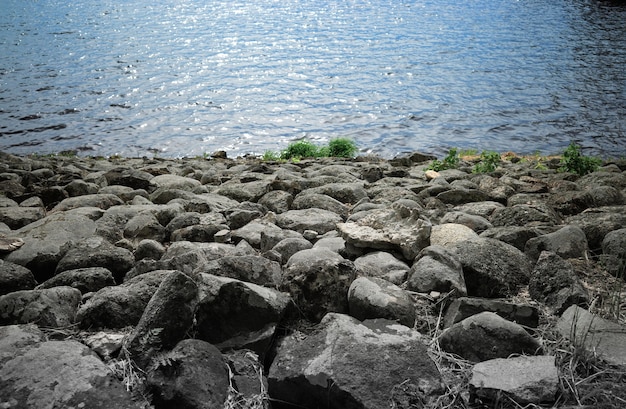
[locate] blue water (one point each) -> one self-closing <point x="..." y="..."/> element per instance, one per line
<point x="183" y="77"/>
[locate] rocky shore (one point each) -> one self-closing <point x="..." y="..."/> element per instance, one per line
<point x="327" y="283"/>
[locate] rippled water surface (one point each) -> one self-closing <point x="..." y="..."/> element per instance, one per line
<point x="184" y="77"/>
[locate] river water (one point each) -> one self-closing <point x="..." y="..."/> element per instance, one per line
<point x="184" y="77"/>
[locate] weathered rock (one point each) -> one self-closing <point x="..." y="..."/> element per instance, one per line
<point x="54" y="307"/>
<point x="388" y="229"/>
<point x="308" y="200"/>
<point x="133" y="178"/>
<point x="85" y="280"/>
<point x="461" y="196"/>
<point x="343" y="192"/>
<point x="290" y="246"/>
<point x="598" y="222"/>
<point x="44" y="242"/>
<point x="17" y="217"/>
<point x="103" y="201"/>
<point x="371" y="297"/>
<point x="349" y="364"/>
<point x="106" y="344"/>
<point x="254" y="269"/>
<point x="150" y="249"/>
<point x="122" y="305"/>
<point x="464" y="307"/>
<point x="97" y="252"/>
<point x="525" y="215"/>
<point x="554" y="283"/>
<point x="246" y="373"/>
<point x="448" y="233"/>
<point x="603" y="338"/>
<point x="437" y="269"/>
<point x="277" y="201"/>
<point x="322" y="221"/>
<point x="476" y="223"/>
<point x="492" y="268"/>
<point x="35" y="373"/>
<point x="513" y="235"/>
<point x="79" y="187"/>
<point x="487" y="336"/>
<point x="165" y="320"/>
<point x="252" y="232"/>
<point x="614" y="252"/>
<point x="384" y="265"/>
<point x="192" y="375"/>
<point x="236" y="314"/>
<point x="14" y="277"/>
<point x="242" y="214"/>
<point x="567" y="242"/>
<point x="318" y="281"/>
<point x="523" y="379"/>
<point x="241" y="192"/>
<point x="144" y="226"/>
<point x="174" y="182"/>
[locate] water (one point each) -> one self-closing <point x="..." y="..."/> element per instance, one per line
<point x="183" y="77"/>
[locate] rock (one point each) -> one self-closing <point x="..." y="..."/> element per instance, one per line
<point x="308" y="200"/>
<point x="85" y="280"/>
<point x="79" y="187"/>
<point x="384" y="265"/>
<point x="252" y="231"/>
<point x="492" y="268"/>
<point x="254" y="269"/>
<point x="133" y="178"/>
<point x="35" y="373"/>
<point x="192" y="375"/>
<point x="318" y="281"/>
<point x="247" y="376"/>
<point x="371" y="297"/>
<point x="462" y="196"/>
<point x="554" y="283"/>
<point x="150" y="249"/>
<point x="336" y="244"/>
<point x="165" y="320"/>
<point x="388" y="229"/>
<point x="234" y="314"/>
<point x="525" y="215"/>
<point x="8" y="244"/>
<point x="598" y="222"/>
<point x="44" y="242"/>
<point x="486" y="336"/>
<point x="614" y="252"/>
<point x="343" y="192"/>
<point x="476" y="223"/>
<point x="448" y="233"/>
<point x="17" y="217"/>
<point x="523" y="379"/>
<point x="54" y="307"/>
<point x="144" y="226"/>
<point x="346" y="364"/>
<point x="174" y="182"/>
<point x="122" y="305"/>
<point x="14" y="277"/>
<point x="598" y="336"/>
<point x="106" y="344"/>
<point x="322" y="221"/>
<point x="513" y="235"/>
<point x="97" y="252"/>
<point x="103" y="201"/>
<point x="567" y="242"/>
<point x="464" y="307"/>
<point x="277" y="201"/>
<point x="242" y="214"/>
<point x="437" y="269"/>
<point x="290" y="246"/>
<point x="241" y="192"/>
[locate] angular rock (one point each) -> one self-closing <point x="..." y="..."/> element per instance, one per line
<point x="192" y="375"/>
<point x="437" y="269"/>
<point x="464" y="307"/>
<point x="55" y="374"/>
<point x="174" y="182"/>
<point x="477" y="223"/>
<point x="554" y="283"/>
<point x="133" y="178"/>
<point x="17" y="217"/>
<point x="54" y="307"/>
<point x="319" y="220"/>
<point x="371" y="297"/>
<point x="614" y="252"/>
<point x="598" y="222"/>
<point x="513" y="235"/>
<point x="348" y="364"/>
<point x="448" y="233"/>
<point x="247" y="376"/>
<point x="525" y="215"/>
<point x="523" y="379"/>
<point x="253" y="269"/>
<point x="567" y="242"/>
<point x="343" y="192"/>
<point x="486" y="336"/>
<point x="384" y="265"/>
<point x="308" y="200"/>
<point x="242" y="214"/>
<point x="14" y="277"/>
<point x="252" y="232"/>
<point x="234" y="314"/>
<point x="103" y="201"/>
<point x="492" y="268"/>
<point x="85" y="280"/>
<point x="144" y="226"/>
<point x="122" y="305"/>
<point x="165" y="320"/>
<point x="601" y="337"/>
<point x="318" y="281"/>
<point x="241" y="192"/>
<point x="462" y="196"/>
<point x="290" y="246"/>
<point x="277" y="201"/>
<point x="388" y="229"/>
<point x="150" y="249"/>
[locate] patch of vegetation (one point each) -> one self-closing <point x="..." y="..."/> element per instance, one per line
<point x="336" y="148"/>
<point x="489" y="161"/>
<point x="449" y="162"/>
<point x="342" y="148"/>
<point x="300" y="149"/>
<point x="574" y="161"/>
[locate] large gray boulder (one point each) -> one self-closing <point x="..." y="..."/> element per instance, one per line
<point x="567" y="242"/>
<point x="35" y="373"/>
<point x="598" y="222"/>
<point x="251" y="268"/>
<point x="437" y="269"/>
<point x="17" y="217"/>
<point x="487" y="336"/>
<point x="492" y="268"/>
<point x="101" y="200"/>
<point x="349" y="364"/>
<point x="14" y="277"/>
<point x="614" y="252"/>
<point x="55" y="307"/>
<point x="384" y="265"/>
<point x="319" y="220"/>
<point x="372" y="297"/>
<point x="86" y="280"/>
<point x="464" y="307"/>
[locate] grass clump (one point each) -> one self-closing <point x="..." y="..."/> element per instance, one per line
<point x="342" y="148"/>
<point x="574" y="161"/>
<point x="336" y="148"/>
<point x="449" y="162"/>
<point x="489" y="160"/>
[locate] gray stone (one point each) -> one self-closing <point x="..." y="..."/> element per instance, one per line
<point x="17" y="217"/>
<point x="371" y="297"/>
<point x="252" y="232"/>
<point x="614" y="252"/>
<point x="384" y="265"/>
<point x="192" y="375"/>
<point x="55" y="307"/>
<point x="487" y="336"/>
<point x="492" y="268"/>
<point x="242" y="214"/>
<point x="277" y="201"/>
<point x="79" y="187"/>
<point x="464" y="307"/>
<point x="523" y="379"/>
<point x="525" y="215"/>
<point x="462" y="196"/>
<point x="343" y="192"/>
<point x="86" y="280"/>
<point x="513" y="235"/>
<point x="482" y="209"/>
<point x="174" y="182"/>
<point x="290" y="246"/>
<point x="338" y="365"/>
<point x="150" y="249"/>
<point x="336" y="244"/>
<point x="567" y="242"/>
<point x="144" y="226"/>
<point x="307" y="200"/>
<point x="322" y="221"/>
<point x="598" y="222"/>
<point x="14" y="277"/>
<point x="449" y="233"/>
<point x="241" y="192"/>
<point x="250" y="268"/>
<point x="133" y="178"/>
<point x="103" y="201"/>
<point x="437" y="269"/>
<point x="601" y="337"/>
<point x="477" y="223"/>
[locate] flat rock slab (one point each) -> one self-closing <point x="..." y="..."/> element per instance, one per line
<point x="525" y="379"/>
<point x="603" y="337"/>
